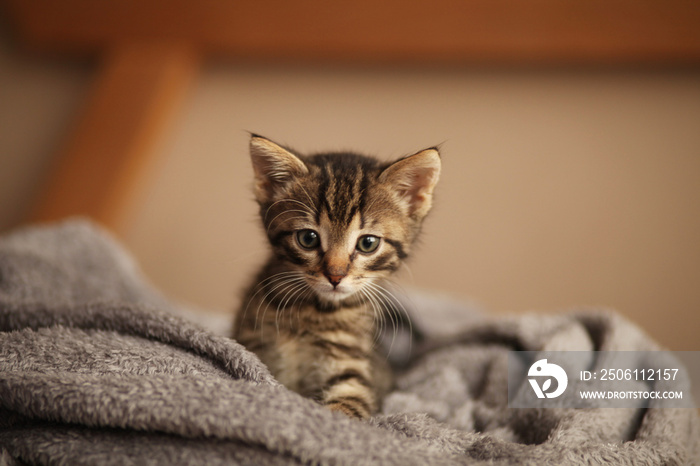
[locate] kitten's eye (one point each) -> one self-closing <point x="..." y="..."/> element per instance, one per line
<point x="368" y="244"/>
<point x="308" y="239"/>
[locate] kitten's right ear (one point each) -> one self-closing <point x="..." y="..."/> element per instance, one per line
<point x="274" y="167"/>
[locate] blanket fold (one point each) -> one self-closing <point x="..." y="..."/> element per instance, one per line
<point x="96" y="367"/>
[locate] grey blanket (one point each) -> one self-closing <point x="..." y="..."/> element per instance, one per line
<point x="97" y="368"/>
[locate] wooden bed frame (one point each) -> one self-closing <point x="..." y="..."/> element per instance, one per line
<point x="149" y="51"/>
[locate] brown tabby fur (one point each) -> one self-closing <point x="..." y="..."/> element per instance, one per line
<point x="310" y="314"/>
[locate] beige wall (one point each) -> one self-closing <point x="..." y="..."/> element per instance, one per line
<point x="560" y="188"/>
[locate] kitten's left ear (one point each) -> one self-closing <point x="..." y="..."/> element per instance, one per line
<point x="414" y="178"/>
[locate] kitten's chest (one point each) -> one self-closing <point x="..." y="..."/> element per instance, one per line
<point x="303" y="354"/>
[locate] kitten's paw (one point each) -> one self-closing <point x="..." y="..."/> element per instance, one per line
<point x="348" y="408"/>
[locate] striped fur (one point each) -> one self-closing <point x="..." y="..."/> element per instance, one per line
<point x="311" y="312"/>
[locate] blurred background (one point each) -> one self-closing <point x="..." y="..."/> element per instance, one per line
<point x="571" y="177"/>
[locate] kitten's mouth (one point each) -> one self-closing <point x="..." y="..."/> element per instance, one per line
<point x="336" y="294"/>
<point x="328" y="292"/>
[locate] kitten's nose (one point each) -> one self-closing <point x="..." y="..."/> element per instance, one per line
<point x="334" y="279"/>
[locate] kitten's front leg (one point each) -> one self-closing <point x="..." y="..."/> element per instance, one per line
<point x="343" y="375"/>
<point x="349" y="388"/>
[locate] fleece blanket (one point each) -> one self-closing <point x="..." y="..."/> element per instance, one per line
<point x="97" y="368"/>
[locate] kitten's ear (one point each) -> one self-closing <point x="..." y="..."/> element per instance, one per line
<point x="274" y="167"/>
<point x="414" y="178"/>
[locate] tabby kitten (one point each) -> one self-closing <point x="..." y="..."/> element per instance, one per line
<point x="337" y="223"/>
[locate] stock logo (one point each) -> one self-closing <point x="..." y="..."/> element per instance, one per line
<point x="547" y="371"/>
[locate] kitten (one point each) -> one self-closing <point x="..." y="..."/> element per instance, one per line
<point x="337" y="223"/>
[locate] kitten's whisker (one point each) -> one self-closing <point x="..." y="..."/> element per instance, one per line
<point x="311" y="202"/>
<point x="309" y="292"/>
<point x="282" y="306"/>
<point x="305" y="291"/>
<point x="285" y="282"/>
<point x="271" y="279"/>
<point x="288" y="220"/>
<point x="311" y="209"/>
<point x="260" y="286"/>
<point x="369" y="308"/>
<point x="388" y="310"/>
<point x="381" y="299"/>
<point x="397" y="306"/>
<point x="287" y="211"/>
<point x="276" y="277"/>
<point x="377" y="312"/>
<point x="299" y="286"/>
<point x="398" y="289"/>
